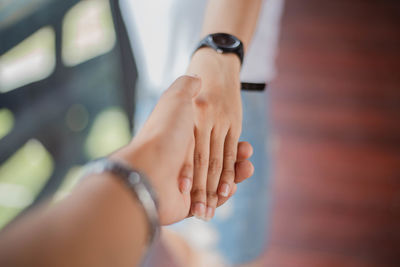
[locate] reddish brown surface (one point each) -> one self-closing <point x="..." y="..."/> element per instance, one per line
<point x="336" y="131"/>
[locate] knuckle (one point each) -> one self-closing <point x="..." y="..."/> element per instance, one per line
<point x="188" y="80"/>
<point x="228" y="174"/>
<point x="200" y="160"/>
<point x="198" y="194"/>
<point x="182" y="86"/>
<point x="183" y="93"/>
<point x="230" y="157"/>
<point x="180" y="94"/>
<point x="220" y="128"/>
<point x="203" y="119"/>
<point x="215" y="165"/>
<point x="201" y="102"/>
<point x="212" y="198"/>
<point x="187" y="170"/>
<point x="235" y="129"/>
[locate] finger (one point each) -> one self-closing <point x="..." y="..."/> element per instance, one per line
<point x="228" y="170"/>
<point x="244" y="151"/>
<point x="185" y="180"/>
<point x="201" y="157"/>
<point x="214" y="170"/>
<point x="222" y="200"/>
<point x="243" y="170"/>
<point x="186" y="175"/>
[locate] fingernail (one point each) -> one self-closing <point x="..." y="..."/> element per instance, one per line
<point x="224" y="190"/>
<point x="186" y="184"/>
<point x="209" y="213"/>
<point x="199" y="210"/>
<point x="193" y="75"/>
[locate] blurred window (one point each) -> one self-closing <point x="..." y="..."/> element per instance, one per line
<point x="22" y="177"/>
<point x="66" y="95"/>
<point x="77" y="117"/>
<point x="70" y="180"/>
<point x="88" y="32"/>
<point x="31" y="60"/>
<point x="109" y="132"/>
<point x="6" y="122"/>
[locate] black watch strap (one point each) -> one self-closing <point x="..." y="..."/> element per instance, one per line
<point x="237" y="48"/>
<point x="231" y="45"/>
<point x="253" y="86"/>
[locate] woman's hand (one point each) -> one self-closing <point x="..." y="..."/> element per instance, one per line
<point x="218" y="124"/>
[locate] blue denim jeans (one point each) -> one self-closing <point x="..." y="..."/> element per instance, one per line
<point x="243" y="234"/>
<point x="238" y="231"/>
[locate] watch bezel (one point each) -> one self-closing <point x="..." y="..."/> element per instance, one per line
<point x="236" y="47"/>
<point x="212" y="39"/>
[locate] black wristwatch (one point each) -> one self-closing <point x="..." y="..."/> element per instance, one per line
<point x="223" y="43"/>
<point x="227" y="43"/>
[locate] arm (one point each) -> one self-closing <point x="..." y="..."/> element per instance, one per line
<point x="101" y="223"/>
<point x="236" y="17"/>
<point x="84" y="230"/>
<point x="218" y="107"/>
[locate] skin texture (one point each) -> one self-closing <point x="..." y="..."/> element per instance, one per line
<point x="218" y="106"/>
<point x="101" y="223"/>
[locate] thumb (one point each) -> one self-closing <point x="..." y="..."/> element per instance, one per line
<point x="185" y="87"/>
<point x="172" y="117"/>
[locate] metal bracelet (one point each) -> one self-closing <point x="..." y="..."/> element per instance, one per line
<point x="137" y="183"/>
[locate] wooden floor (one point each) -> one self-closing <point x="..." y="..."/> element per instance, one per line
<point x="336" y="135"/>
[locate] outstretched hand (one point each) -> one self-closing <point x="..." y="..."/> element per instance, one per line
<point x="218" y="125"/>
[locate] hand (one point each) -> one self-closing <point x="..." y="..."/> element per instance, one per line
<point x="163" y="150"/>
<point x="218" y="123"/>
<point x="161" y="147"/>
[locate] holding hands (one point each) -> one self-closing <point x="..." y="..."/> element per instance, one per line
<point x="100" y="219"/>
<point x="165" y="149"/>
<point x="188" y="149"/>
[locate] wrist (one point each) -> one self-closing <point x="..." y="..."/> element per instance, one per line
<point x="136" y="182"/>
<point x="207" y="57"/>
<point x="135" y="156"/>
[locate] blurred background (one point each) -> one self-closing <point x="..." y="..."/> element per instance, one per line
<point x="65" y="97"/>
<point x="67" y="78"/>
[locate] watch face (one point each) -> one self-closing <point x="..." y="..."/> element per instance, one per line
<point x="225" y="40"/>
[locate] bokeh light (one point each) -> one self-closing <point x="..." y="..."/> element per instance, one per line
<point x="31" y="60"/>
<point x="21" y="178"/>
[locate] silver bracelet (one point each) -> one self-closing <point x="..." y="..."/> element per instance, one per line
<point x="137" y="183"/>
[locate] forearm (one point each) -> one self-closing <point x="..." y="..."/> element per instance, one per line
<point x="101" y="224"/>
<point x="236" y="17"/>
